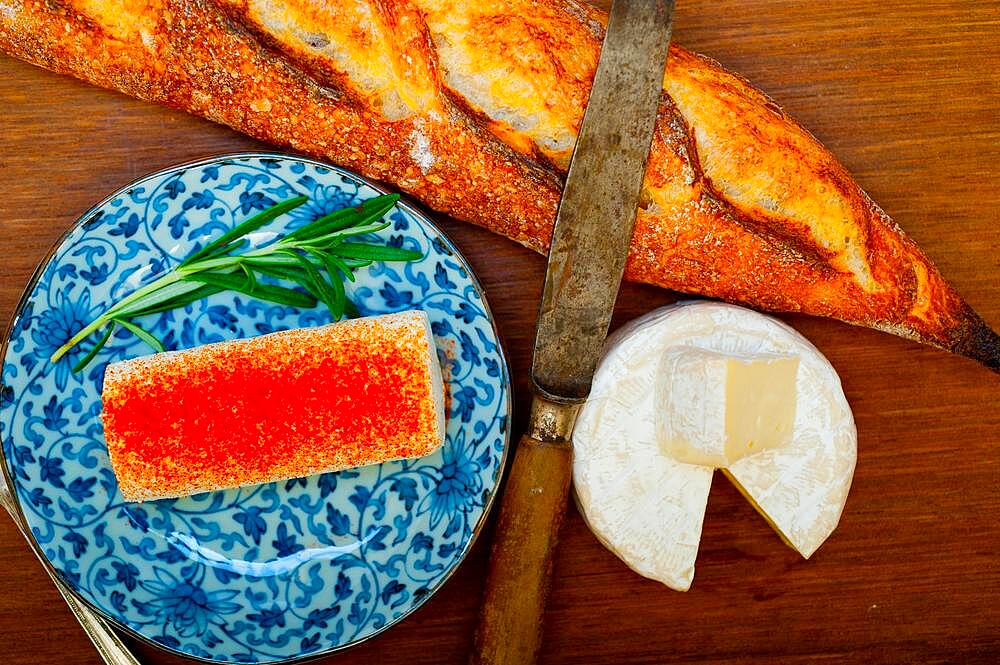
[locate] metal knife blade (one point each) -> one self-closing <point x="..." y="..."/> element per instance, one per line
<point x="594" y="224"/>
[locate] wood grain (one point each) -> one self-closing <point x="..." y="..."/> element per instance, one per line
<point x="907" y="94"/>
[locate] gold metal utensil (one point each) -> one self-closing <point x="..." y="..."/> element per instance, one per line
<point x="113" y="651"/>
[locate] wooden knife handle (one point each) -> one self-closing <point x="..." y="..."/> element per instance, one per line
<point x="534" y="501"/>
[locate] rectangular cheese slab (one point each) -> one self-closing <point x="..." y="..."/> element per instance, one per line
<point x="278" y="406"/>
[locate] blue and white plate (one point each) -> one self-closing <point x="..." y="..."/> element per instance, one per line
<point x="266" y="573"/>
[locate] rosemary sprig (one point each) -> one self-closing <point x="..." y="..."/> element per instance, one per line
<point x="301" y="256"/>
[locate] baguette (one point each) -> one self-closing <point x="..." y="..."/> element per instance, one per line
<point x="473" y="108"/>
<point x="279" y="406"/>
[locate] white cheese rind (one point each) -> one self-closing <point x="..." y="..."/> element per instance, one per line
<point x="642" y="505"/>
<point x="648" y="508"/>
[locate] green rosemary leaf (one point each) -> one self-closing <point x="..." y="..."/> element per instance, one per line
<point x="337" y="238"/>
<point x="282" y="259"/>
<point x="96" y="348"/>
<point x="323" y="288"/>
<point x="249" y="226"/>
<point x="341" y="296"/>
<point x="199" y="292"/>
<point x="348" y="217"/>
<point x="149" y="340"/>
<point x="377" y="207"/>
<point x="220" y="252"/>
<point x="251" y="280"/>
<point x="336" y="220"/>
<point x="352" y="310"/>
<point x="166" y="294"/>
<point x="328" y="242"/>
<point x="213" y="263"/>
<point x="292" y="272"/>
<point x="336" y="283"/>
<point x="357" y="250"/>
<point x="267" y="292"/>
<point x="341" y="266"/>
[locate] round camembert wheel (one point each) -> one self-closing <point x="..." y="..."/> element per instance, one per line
<point x="697" y="386"/>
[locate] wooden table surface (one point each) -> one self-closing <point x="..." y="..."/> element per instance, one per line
<point x="907" y="94"/>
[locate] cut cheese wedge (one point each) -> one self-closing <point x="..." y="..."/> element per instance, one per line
<point x="716" y="408"/>
<point x="698" y="386"/>
<point x="278" y="406"/>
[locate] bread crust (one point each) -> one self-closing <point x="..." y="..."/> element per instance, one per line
<point x="473" y="108"/>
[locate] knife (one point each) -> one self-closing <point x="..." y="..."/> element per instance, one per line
<point x="590" y="243"/>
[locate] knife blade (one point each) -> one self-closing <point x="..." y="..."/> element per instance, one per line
<point x="596" y="215"/>
<point x="587" y="256"/>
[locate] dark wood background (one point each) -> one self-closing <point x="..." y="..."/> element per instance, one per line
<point x="907" y="94"/>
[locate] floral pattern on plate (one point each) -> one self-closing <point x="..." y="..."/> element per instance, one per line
<point x="271" y="572"/>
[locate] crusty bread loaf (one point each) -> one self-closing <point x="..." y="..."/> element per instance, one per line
<point x="473" y="107"/>
<point x="273" y="407"/>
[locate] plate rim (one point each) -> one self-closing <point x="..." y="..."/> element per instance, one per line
<point x="404" y="203"/>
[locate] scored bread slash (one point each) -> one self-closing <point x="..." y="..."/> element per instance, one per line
<point x="279" y="406"/>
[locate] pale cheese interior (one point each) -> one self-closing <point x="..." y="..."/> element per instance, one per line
<point x="716" y="408"/>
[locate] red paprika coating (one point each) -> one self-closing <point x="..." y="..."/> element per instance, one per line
<point x="279" y="406"/>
